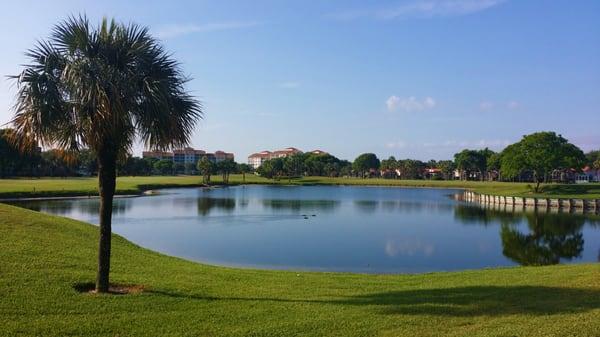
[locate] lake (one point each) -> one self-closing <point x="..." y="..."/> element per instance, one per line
<point x="339" y="228"/>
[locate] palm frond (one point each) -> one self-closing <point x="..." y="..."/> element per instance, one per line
<point x="101" y="87"/>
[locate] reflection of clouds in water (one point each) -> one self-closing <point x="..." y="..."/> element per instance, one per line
<point x="408" y="248"/>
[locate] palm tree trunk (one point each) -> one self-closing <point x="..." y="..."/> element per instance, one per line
<point x="106" y="183"/>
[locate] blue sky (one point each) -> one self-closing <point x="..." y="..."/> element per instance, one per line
<point x="410" y="78"/>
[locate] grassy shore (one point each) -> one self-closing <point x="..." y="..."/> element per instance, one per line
<point x="48" y="260"/>
<point x="15" y="188"/>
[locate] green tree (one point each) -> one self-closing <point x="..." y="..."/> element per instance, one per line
<point x="540" y="153"/>
<point x="244" y="168"/>
<point x="411" y="169"/>
<point x="389" y="164"/>
<point x="9" y="154"/>
<point x="294" y="165"/>
<point x="87" y="161"/>
<point x="178" y="168"/>
<point x="164" y="167"/>
<point x="190" y="168"/>
<point x="206" y="169"/>
<point x="470" y="163"/>
<point x="276" y="167"/>
<point x="592" y="157"/>
<point x="226" y="167"/>
<point x="365" y="162"/>
<point x="345" y="168"/>
<point x="493" y="164"/>
<point x="266" y="169"/>
<point x="100" y="88"/>
<point x="447" y="167"/>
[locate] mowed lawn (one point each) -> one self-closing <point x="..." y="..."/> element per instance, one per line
<point x="14" y="188"/>
<point x="45" y="262"/>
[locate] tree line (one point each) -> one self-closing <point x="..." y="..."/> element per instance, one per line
<point x="539" y="157"/>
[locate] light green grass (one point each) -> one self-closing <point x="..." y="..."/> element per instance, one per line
<point x="45" y="258"/>
<point x="10" y="188"/>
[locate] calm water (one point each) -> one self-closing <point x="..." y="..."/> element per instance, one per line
<point x="358" y="229"/>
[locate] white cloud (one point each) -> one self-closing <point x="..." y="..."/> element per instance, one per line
<point x="175" y="30"/>
<point x="408" y="248"/>
<point x="486" y="106"/>
<point x="289" y="85"/>
<point x="409" y="104"/>
<point x="418" y="9"/>
<point x="512" y="105"/>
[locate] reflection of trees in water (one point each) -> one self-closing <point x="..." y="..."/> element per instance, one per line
<point x="67" y="207"/>
<point x="405" y="206"/>
<point x="367" y="206"/>
<point x="473" y="214"/>
<point x="299" y="204"/>
<point x="206" y="204"/>
<point x="551" y="237"/>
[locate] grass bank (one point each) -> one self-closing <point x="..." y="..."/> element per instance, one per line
<point x="16" y="188"/>
<point x="45" y="259"/>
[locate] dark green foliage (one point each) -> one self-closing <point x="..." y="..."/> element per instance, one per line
<point x="206" y="168"/>
<point x="540" y="153"/>
<point x="364" y="163"/>
<point x="225" y="168"/>
<point x="163" y="167"/>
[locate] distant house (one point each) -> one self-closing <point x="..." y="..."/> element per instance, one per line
<point x="188" y="155"/>
<point x="589" y="175"/>
<point x="221" y="156"/>
<point x="160" y="155"/>
<point x="318" y="152"/>
<point x="257" y="159"/>
<point x="432" y="173"/>
<point x="390" y="174"/>
<point x="285" y="152"/>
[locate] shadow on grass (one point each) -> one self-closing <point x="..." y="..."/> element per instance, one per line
<point x="463" y="301"/>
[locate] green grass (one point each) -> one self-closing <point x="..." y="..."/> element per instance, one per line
<point x="14" y="188"/>
<point x="46" y="259"/>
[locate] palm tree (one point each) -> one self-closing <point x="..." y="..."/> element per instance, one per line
<point x="102" y="87"/>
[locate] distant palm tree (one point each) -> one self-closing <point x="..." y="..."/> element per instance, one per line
<point x="101" y="88"/>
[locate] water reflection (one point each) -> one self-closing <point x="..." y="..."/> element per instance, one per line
<point x="549" y="238"/>
<point x="206" y="204"/>
<point x="358" y="229"/>
<point x="300" y="204"/>
<point x="68" y="207"/>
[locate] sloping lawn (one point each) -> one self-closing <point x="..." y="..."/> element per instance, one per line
<point x="45" y="261"/>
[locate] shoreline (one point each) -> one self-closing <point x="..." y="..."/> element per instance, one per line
<point x="46" y="188"/>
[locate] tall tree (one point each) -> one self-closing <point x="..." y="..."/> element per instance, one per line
<point x="244" y="168"/>
<point x="206" y="168"/>
<point x="470" y="163"/>
<point x="447" y="167"/>
<point x="540" y="153"/>
<point x="225" y="167"/>
<point x="100" y="87"/>
<point x="365" y="162"/>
